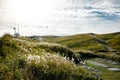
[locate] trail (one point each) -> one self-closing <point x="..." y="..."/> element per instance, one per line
<point x="103" y="43"/>
<point x="102" y="63"/>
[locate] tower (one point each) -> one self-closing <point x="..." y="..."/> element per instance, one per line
<point x="16" y="33"/>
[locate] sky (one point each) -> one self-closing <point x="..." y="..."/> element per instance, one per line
<point x="59" y="17"/>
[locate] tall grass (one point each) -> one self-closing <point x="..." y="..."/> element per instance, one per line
<point x="55" y="67"/>
<point x="7" y="45"/>
<point x="64" y="51"/>
<point x="17" y="62"/>
<point x="109" y="56"/>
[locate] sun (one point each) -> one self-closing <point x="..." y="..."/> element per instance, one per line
<point x="31" y="10"/>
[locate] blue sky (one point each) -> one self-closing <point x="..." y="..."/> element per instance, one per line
<point x="63" y="17"/>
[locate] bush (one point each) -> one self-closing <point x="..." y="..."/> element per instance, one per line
<point x="54" y="67"/>
<point x="110" y="56"/>
<point x="7" y="45"/>
<point x="64" y="51"/>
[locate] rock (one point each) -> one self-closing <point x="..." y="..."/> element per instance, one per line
<point x="114" y="69"/>
<point x="108" y="61"/>
<point x="114" y="63"/>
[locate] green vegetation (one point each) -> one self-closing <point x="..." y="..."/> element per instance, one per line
<point x="107" y="55"/>
<point x="90" y="46"/>
<point x="64" y="51"/>
<point x="82" y="41"/>
<point x="112" y="39"/>
<point x="103" y="45"/>
<point x="105" y="73"/>
<point x="24" y="59"/>
<point x="5" y="45"/>
<point x="54" y="67"/>
<point x="92" y="42"/>
<point x="115" y="43"/>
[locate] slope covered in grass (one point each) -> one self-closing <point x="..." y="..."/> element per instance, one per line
<point x="91" y="42"/>
<point x="112" y="40"/>
<point x="95" y="45"/>
<point x="24" y="59"/>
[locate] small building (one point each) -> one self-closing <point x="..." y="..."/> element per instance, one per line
<point x="16" y="34"/>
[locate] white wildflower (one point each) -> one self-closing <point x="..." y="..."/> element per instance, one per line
<point x="35" y="58"/>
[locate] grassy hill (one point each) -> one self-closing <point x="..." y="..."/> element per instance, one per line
<point x="90" y="41"/>
<point x="112" y="40"/>
<point x="25" y="59"/>
<point x="91" y="46"/>
<point x="95" y="45"/>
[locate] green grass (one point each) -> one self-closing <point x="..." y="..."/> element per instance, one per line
<point x="15" y="66"/>
<point x="95" y="43"/>
<point x="106" y="74"/>
<point x="105" y="55"/>
<point x="24" y="59"/>
<point x="112" y="39"/>
<point x="54" y="67"/>
<point x="115" y="43"/>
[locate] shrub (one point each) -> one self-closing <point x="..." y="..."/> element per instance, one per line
<point x="110" y="56"/>
<point x="64" y="51"/>
<point x="54" y="67"/>
<point x="7" y="45"/>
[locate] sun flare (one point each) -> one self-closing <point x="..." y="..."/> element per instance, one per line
<point x="31" y="10"/>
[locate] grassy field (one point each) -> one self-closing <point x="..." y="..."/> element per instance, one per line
<point x="58" y="58"/>
<point x="25" y="59"/>
<point x="106" y="46"/>
<point x="103" y="45"/>
<point x="90" y="41"/>
<point x="105" y="73"/>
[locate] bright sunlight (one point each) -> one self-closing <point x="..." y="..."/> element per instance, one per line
<point x="31" y="10"/>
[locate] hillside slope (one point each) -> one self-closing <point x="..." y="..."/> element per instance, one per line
<point x="25" y="59"/>
<point x="90" y="41"/>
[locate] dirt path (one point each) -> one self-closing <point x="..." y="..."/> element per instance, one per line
<point x="107" y="69"/>
<point x="111" y="68"/>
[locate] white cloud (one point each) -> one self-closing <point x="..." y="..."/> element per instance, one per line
<point x="64" y="17"/>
